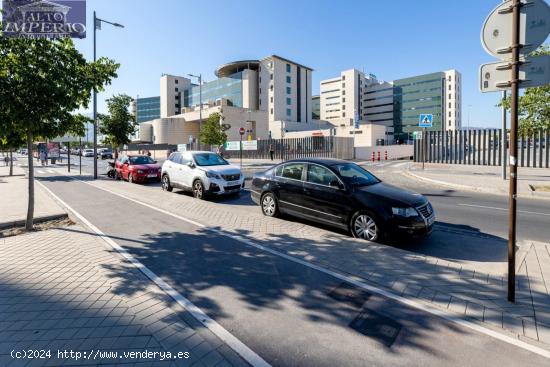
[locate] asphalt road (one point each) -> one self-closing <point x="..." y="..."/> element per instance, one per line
<point x="472" y="211"/>
<point x="280" y="309"/>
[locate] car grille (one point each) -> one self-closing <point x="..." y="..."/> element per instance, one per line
<point x="153" y="171"/>
<point x="426" y="210"/>
<point x="231" y="188"/>
<point x="232" y="177"/>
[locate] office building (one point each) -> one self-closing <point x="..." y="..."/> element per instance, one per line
<point x="259" y="95"/>
<point x="146" y="109"/>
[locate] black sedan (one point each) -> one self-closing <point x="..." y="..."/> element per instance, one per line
<point x="342" y="194"/>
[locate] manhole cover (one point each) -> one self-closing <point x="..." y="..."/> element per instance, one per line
<point x="378" y="327"/>
<point x="350" y="294"/>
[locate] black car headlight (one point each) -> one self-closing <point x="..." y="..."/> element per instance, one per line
<point x="405" y="212"/>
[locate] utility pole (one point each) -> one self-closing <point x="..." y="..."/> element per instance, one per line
<point x="503" y="138"/>
<point x="516" y="4"/>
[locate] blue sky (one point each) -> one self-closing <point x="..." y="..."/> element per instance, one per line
<point x="391" y="39"/>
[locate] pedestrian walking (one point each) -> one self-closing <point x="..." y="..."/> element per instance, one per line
<point x="271" y="151"/>
<point x="46" y="156"/>
<point x="6" y="160"/>
<point x="42" y="157"/>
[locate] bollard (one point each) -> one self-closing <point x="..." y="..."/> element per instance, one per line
<point x="373" y="156"/>
<point x="378" y="156"/>
<point x="386" y="155"/>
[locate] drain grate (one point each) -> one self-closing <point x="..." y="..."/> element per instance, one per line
<point x="377" y="327"/>
<point x="350" y="294"/>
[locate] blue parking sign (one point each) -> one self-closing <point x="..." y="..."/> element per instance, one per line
<point x="425" y="120"/>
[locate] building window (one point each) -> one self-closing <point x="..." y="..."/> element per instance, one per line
<point x="288" y="101"/>
<point x="449" y="87"/>
<point x="343" y="114"/>
<point x="177" y="90"/>
<point x="343" y="77"/>
<point x="343" y="92"/>
<point x="260" y="90"/>
<point x="271" y="99"/>
<point x="270" y="76"/>
<point x="449" y="104"/>
<point x="288" y="90"/>
<point x="288" y="79"/>
<point x="271" y="87"/>
<point x="343" y="85"/>
<point x="288" y="68"/>
<point x="449" y="95"/>
<point x="343" y="100"/>
<point x="271" y="111"/>
<point x="288" y="112"/>
<point x="344" y="107"/>
<point x="449" y="122"/>
<point x="177" y="81"/>
<point x="449" y="113"/>
<point x="449" y="78"/>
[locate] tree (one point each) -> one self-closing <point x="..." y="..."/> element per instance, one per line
<point x="119" y="124"/>
<point x="10" y="139"/>
<point x="534" y="105"/>
<point x="41" y="83"/>
<point x="212" y="132"/>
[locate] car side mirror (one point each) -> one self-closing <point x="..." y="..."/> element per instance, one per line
<point x="156" y="161"/>
<point x="190" y="164"/>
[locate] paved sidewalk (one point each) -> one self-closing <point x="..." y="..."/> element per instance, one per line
<point x="532" y="182"/>
<point x="477" y="292"/>
<point x="13" y="194"/>
<point x="65" y="289"/>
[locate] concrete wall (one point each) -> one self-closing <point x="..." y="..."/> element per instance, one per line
<point x="168" y="94"/>
<point x="250" y="89"/>
<point x="452" y="110"/>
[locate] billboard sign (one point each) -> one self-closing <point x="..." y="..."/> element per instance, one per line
<point x="44" y="19"/>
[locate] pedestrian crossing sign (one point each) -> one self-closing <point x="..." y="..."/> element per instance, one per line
<point x="426" y="120"/>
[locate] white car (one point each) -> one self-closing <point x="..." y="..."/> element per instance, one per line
<point x="88" y="153"/>
<point x="203" y="173"/>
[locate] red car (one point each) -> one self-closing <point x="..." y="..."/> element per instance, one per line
<point x="137" y="168"/>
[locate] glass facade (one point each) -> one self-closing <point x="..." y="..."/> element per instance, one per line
<point x="418" y="95"/>
<point x="316" y="108"/>
<point x="148" y="109"/>
<point x="229" y="87"/>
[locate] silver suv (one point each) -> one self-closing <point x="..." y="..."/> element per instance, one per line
<point x="203" y="173"/>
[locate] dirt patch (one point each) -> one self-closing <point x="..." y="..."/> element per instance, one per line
<point x="542" y="188"/>
<point x="44" y="226"/>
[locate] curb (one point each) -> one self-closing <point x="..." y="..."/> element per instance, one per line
<point x="471" y="188"/>
<point x="37" y="220"/>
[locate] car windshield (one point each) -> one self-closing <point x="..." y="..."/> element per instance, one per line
<point x="209" y="159"/>
<point x="355" y="175"/>
<point x="141" y="160"/>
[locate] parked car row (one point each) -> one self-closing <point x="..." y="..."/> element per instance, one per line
<point x="333" y="192"/>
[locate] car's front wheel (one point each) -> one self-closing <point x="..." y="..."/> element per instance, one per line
<point x="198" y="189"/>
<point x="364" y="225"/>
<point x="270" y="208"/>
<point x="166" y="186"/>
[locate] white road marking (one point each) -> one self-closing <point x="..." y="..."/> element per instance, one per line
<point x="503" y="209"/>
<point x="51" y="171"/>
<point x="239" y="347"/>
<point x="385" y="293"/>
<point x="400" y="164"/>
<point x="39" y="171"/>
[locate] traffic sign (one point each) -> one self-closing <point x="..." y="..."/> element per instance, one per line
<point x="417" y="135"/>
<point x="533" y="72"/>
<point x="241" y="131"/>
<point x="496" y="33"/>
<point x="425" y="120"/>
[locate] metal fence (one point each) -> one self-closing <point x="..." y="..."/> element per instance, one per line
<point x="481" y="147"/>
<point x="313" y="146"/>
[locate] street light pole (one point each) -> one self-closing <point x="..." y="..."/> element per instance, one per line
<point x="97" y="25"/>
<point x="503" y="137"/>
<point x="199" y="77"/>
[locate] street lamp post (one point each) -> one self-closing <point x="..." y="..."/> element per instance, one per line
<point x="97" y="25"/>
<point x="199" y="77"/>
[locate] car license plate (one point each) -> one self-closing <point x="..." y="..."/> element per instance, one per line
<point x="152" y="175"/>
<point x="232" y="183"/>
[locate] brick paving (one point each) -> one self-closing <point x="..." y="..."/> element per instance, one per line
<point x="473" y="292"/>
<point x="65" y="289"/>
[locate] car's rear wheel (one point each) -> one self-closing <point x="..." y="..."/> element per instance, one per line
<point x="166" y="186"/>
<point x="198" y="189"/>
<point x="269" y="205"/>
<point x="364" y="225"/>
